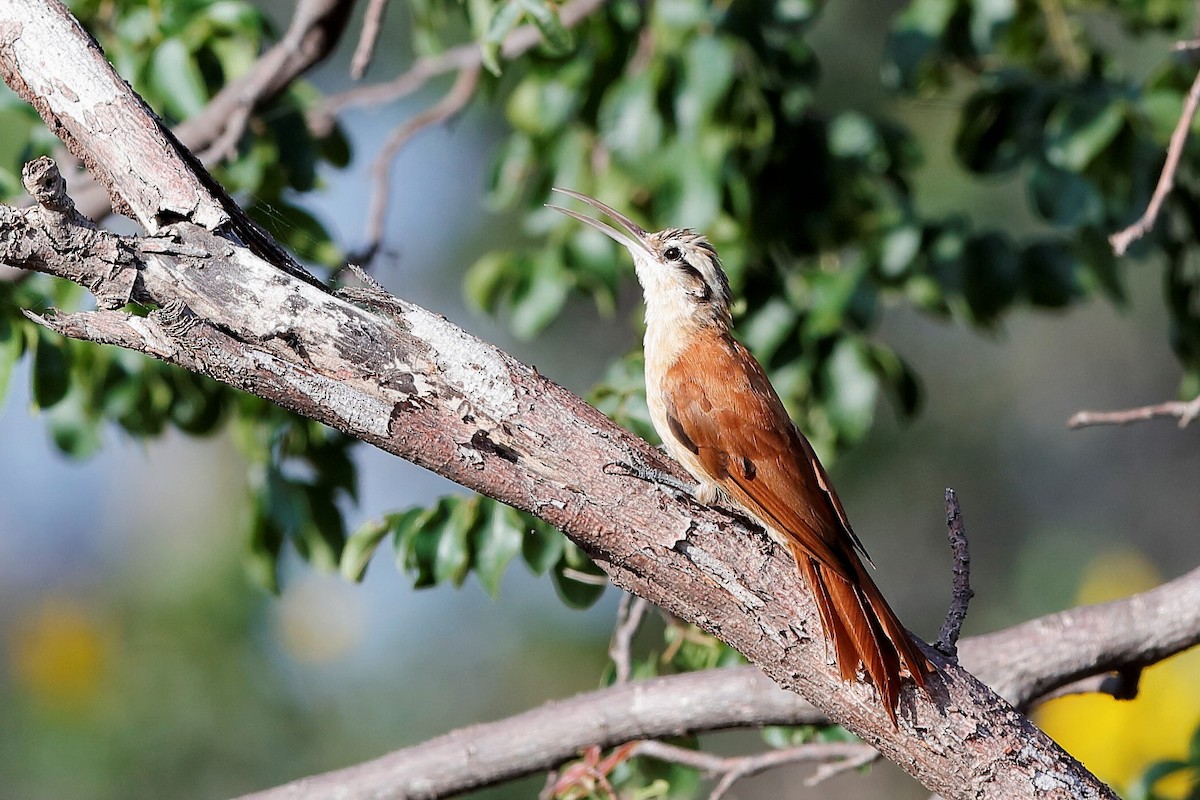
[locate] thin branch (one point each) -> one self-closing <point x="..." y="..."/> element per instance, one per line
<point x="1121" y="240"/>
<point x="312" y="34"/>
<point x="629" y="618"/>
<point x="1183" y="410"/>
<point x="1120" y="685"/>
<point x="456" y="59"/>
<point x="845" y="755"/>
<point x="834" y="768"/>
<point x="365" y="50"/>
<point x="449" y="106"/>
<point x="276" y="68"/>
<point x="1078" y="649"/>
<point x="947" y="642"/>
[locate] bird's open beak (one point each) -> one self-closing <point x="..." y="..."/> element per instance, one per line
<point x="635" y="239"/>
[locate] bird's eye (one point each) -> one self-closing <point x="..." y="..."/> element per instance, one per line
<point x="672" y="254"/>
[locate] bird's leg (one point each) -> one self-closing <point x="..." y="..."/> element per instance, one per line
<point x="702" y="493"/>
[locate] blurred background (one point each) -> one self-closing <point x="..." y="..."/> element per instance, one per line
<point x="137" y="660"/>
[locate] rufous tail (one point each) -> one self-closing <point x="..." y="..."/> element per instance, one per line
<point x="864" y="630"/>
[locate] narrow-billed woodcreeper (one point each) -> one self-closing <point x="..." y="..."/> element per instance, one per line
<point x="719" y="416"/>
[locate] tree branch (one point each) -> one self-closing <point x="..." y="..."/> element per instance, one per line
<point x="1069" y="652"/>
<point x="1183" y="410"/>
<point x="416" y="386"/>
<point x="1122" y="239"/>
<point x="629" y="618"/>
<point x="364" y="51"/>
<point x="456" y="59"/>
<point x="381" y="186"/>
<point x="947" y="641"/>
<point x="314" y="31"/>
<point x="841" y="755"/>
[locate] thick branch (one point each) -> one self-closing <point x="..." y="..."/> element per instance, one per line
<point x="411" y="383"/>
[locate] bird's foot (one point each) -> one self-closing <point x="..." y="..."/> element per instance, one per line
<point x="644" y="472"/>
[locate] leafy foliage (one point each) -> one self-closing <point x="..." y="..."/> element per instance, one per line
<point x="457" y="535"/>
<point x="1187" y="767"/>
<point x="178" y="55"/>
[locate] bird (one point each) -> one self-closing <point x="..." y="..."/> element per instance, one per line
<point x="718" y="415"/>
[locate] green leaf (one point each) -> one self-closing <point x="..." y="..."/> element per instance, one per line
<point x="51" y="369"/>
<point x="852" y="388"/>
<point x="708" y="75"/>
<point x="12" y="344"/>
<point x="1063" y="198"/>
<point x="571" y="577"/>
<point x="542" y="104"/>
<point x="541" y="546"/>
<point x="488" y="280"/>
<point x="496" y="539"/>
<point x="917" y="33"/>
<point x="262" y="555"/>
<point x="556" y="38"/>
<point x="360" y="548"/>
<point x="1048" y="272"/>
<point x="323" y="534"/>
<point x="74" y="428"/>
<point x="415" y="536"/>
<point x="540" y="297"/>
<point x="512" y="166"/>
<point x="991" y="276"/>
<point x="1144" y="786"/>
<point x="176" y="77"/>
<point x="629" y="122"/>
<point x="1078" y="131"/>
<point x="298" y="230"/>
<point x="452" y="560"/>
<point x="989" y="20"/>
<point x="999" y="127"/>
<point x="504" y="19"/>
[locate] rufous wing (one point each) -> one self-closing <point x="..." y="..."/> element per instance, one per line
<point x="721" y="406"/>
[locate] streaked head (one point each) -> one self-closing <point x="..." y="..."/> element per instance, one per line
<point x="672" y="265"/>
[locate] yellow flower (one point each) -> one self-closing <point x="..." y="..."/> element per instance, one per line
<point x="1118" y="739"/>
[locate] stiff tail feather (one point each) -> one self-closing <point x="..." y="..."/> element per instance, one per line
<point x="864" y="630"/>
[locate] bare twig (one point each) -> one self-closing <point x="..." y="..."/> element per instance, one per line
<point x="455" y="100"/>
<point x="1122" y="239"/>
<point x="831" y="769"/>
<point x="264" y="80"/>
<point x="1184" y="410"/>
<point x="456" y="59"/>
<point x="947" y="642"/>
<point x="844" y="755"/>
<point x="365" y="51"/>
<point x="629" y="617"/>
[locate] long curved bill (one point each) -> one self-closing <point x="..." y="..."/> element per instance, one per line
<point x="635" y="239"/>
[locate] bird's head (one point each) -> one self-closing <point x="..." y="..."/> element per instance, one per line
<point x="680" y="273"/>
